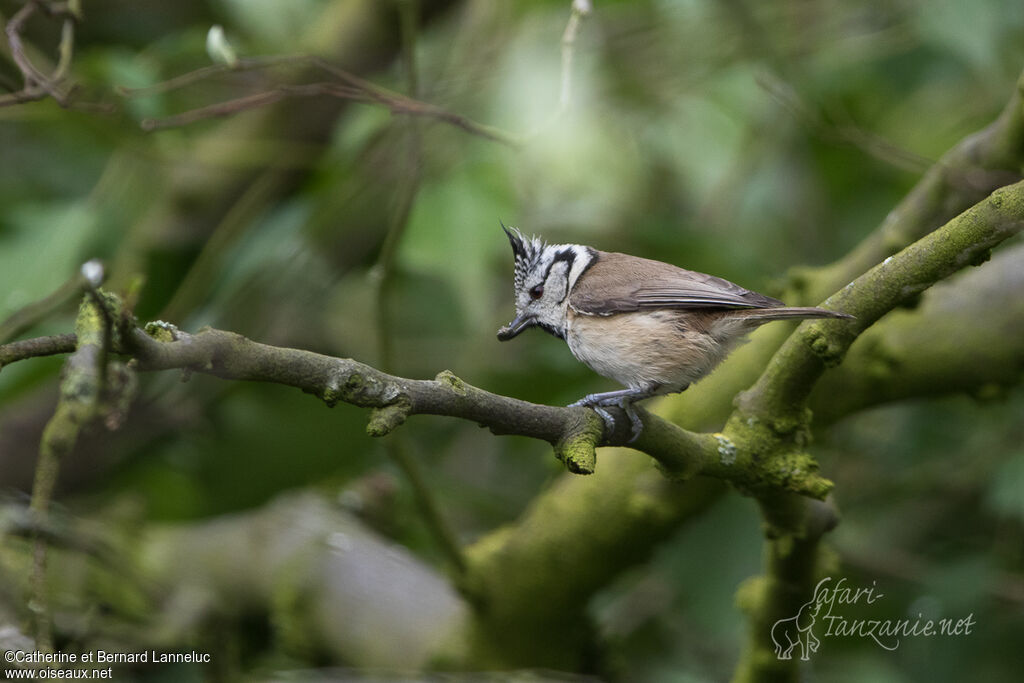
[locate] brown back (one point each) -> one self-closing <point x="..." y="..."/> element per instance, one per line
<point x="619" y="283"/>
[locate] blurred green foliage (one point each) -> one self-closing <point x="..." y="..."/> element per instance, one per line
<point x="739" y="138"/>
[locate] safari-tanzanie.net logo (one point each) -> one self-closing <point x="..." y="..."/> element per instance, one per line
<point x="823" y="617"/>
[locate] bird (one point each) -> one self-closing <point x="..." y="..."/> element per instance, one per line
<point x="653" y="327"/>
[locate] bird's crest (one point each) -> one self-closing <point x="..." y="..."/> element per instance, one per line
<point x="527" y="251"/>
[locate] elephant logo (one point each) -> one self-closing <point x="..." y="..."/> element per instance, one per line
<point x="795" y="631"/>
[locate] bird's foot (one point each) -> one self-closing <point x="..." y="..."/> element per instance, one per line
<point x="617" y="399"/>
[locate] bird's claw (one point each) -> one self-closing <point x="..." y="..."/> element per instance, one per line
<point x="598" y="403"/>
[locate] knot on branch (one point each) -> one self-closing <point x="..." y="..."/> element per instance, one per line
<point x="358" y="384"/>
<point x="162" y="331"/>
<point x="577" y="447"/>
<point x="797" y="471"/>
<point x="448" y="379"/>
<point x="769" y="454"/>
<point x="825" y="345"/>
<point x="387" y="418"/>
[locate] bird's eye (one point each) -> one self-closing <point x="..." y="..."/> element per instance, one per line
<point x="536" y="292"/>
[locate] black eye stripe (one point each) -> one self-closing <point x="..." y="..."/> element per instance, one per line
<point x="566" y="255"/>
<point x="569" y="257"/>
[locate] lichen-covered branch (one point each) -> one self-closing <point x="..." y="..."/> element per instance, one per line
<point x="793" y="562"/>
<point x="773" y="411"/>
<point x="82" y="385"/>
<point x="383" y="420"/>
<point x="965" y="240"/>
<point x="532" y="580"/>
<point x="995" y="154"/>
<point x="574" y="432"/>
<point x="966" y="336"/>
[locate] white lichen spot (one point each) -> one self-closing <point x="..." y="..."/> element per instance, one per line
<point x="582" y="7"/>
<point x="92" y="271"/>
<point x="726" y="449"/>
<point x="886" y="261"/>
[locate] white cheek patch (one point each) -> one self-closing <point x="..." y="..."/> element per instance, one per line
<point x="558" y="281"/>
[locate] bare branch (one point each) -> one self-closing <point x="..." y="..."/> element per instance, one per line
<point x="580" y="10"/>
<point x="27" y="316"/>
<point x="36" y="348"/>
<point x="348" y="86"/>
<point x="38" y="85"/>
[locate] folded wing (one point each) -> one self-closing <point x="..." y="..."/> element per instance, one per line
<point x="619" y="283"/>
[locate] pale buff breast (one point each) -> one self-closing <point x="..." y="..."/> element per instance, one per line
<point x="664" y="349"/>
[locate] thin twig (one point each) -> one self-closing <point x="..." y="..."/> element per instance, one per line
<point x="351" y="87"/>
<point x="232" y="226"/>
<point x="66" y="50"/>
<point x="844" y="133"/>
<point x="30" y="314"/>
<point x="383" y="277"/>
<point x="36" y="348"/>
<point x="37" y="85"/>
<point x="22" y="96"/>
<point x="580" y="10"/>
<point x="201" y="74"/>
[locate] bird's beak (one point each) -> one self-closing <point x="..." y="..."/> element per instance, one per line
<point x="521" y="322"/>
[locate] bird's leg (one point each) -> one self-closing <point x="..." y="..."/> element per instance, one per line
<point x="624" y="399"/>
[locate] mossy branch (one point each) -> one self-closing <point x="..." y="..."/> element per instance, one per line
<point x="574" y="432"/>
<point x="968" y="239"/>
<point x="774" y="413"/>
<point x="82" y="385"/>
<point x="534" y="564"/>
<point x="965" y="336"/>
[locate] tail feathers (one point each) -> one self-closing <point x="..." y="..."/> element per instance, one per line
<point x="788" y="312"/>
